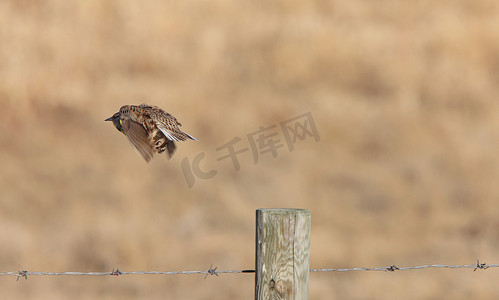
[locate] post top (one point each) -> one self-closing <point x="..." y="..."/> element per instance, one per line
<point x="282" y="211"/>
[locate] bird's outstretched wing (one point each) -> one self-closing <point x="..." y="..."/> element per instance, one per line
<point x="138" y="137"/>
<point x="174" y="133"/>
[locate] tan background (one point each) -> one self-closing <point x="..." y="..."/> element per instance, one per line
<point x="404" y="95"/>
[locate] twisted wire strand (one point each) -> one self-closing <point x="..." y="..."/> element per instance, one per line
<point x="213" y="271"/>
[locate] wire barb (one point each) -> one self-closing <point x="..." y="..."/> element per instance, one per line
<point x="479" y="265"/>
<point x="116" y="273"/>
<point x="211" y="271"/>
<point x="22" y="273"/>
<point x="392" y="268"/>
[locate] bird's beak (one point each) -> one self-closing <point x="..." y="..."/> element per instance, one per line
<point x="109" y="119"/>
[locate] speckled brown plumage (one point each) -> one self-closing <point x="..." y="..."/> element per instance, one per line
<point x="149" y="129"/>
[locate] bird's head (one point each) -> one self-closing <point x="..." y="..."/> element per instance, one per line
<point x="116" y="121"/>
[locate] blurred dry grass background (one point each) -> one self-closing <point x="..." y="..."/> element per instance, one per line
<point x="404" y="95"/>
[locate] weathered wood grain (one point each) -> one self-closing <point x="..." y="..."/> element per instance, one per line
<point x="282" y="253"/>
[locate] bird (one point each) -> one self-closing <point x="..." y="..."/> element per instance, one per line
<point x="149" y="129"/>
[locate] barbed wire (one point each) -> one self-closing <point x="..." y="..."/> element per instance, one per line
<point x="394" y="268"/>
<point x="213" y="271"/>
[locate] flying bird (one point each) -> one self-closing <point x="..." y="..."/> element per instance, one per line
<point x="149" y="129"/>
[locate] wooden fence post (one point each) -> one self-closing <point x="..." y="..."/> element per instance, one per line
<point x="282" y="253"/>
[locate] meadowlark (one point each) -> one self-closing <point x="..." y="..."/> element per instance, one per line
<point x="149" y="129"/>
